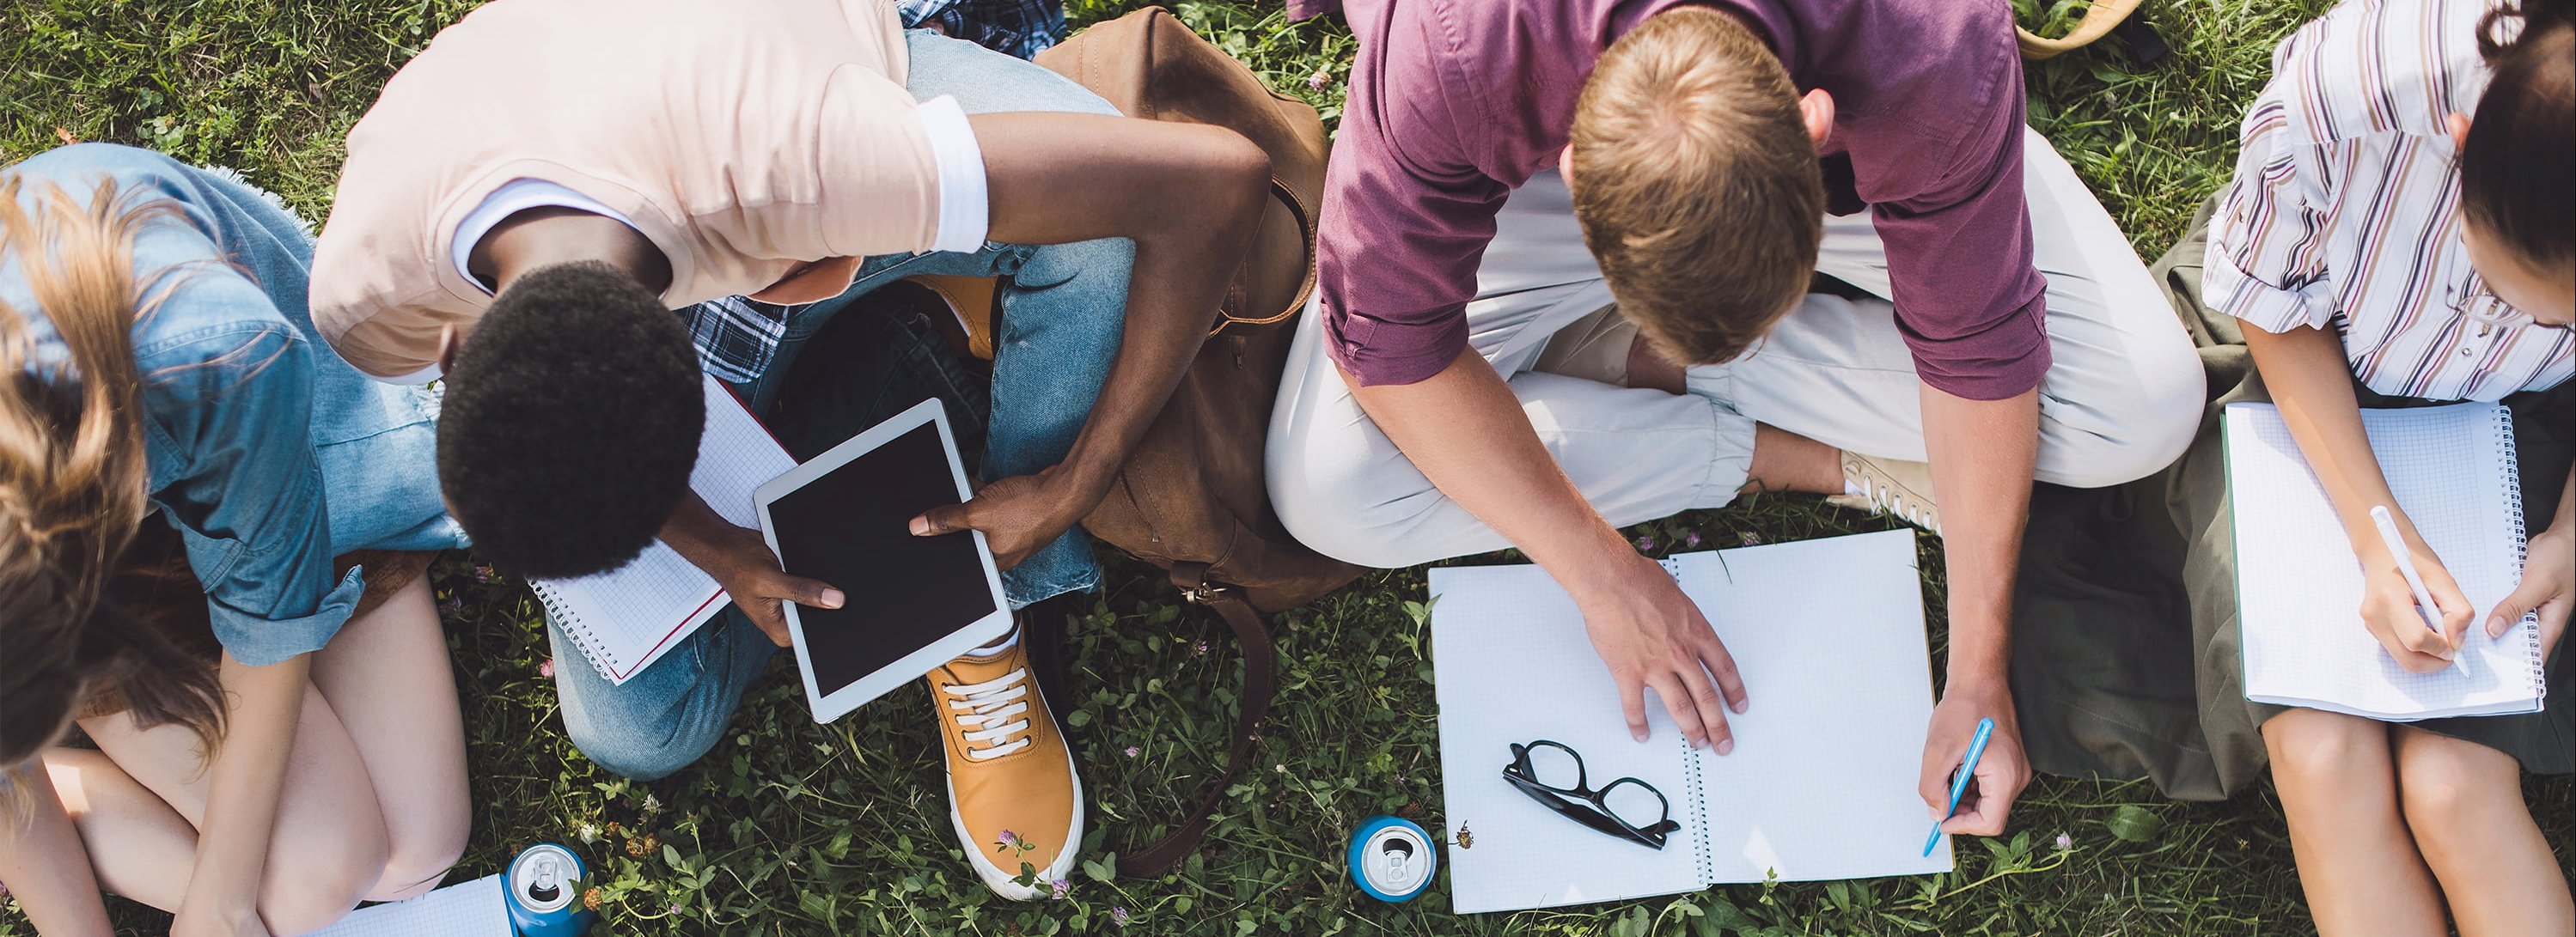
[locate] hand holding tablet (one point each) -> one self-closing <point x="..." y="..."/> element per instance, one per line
<point x="913" y="602"/>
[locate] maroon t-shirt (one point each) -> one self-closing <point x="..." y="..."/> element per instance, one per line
<point x="1453" y="103"/>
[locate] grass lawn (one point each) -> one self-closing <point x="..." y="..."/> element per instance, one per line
<point x="795" y="828"/>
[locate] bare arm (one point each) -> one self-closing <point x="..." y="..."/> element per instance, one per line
<point x="740" y="561"/>
<point x="249" y="769"/>
<point x="2312" y="384"/>
<point x="43" y="863"/>
<point x="1189" y="197"/>
<point x="1466" y="432"/>
<point x="1983" y="453"/>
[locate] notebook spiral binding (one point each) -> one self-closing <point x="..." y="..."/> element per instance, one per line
<point x="2514" y="521"/>
<point x="561" y="613"/>
<point x="1696" y="777"/>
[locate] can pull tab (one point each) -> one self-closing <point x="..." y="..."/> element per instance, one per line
<point x="549" y="882"/>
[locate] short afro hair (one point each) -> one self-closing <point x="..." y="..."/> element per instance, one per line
<point x="571" y="423"/>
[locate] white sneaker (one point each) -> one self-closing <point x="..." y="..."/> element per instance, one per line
<point x="1890" y="486"/>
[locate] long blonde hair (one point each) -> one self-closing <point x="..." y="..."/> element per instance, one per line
<point x="73" y="477"/>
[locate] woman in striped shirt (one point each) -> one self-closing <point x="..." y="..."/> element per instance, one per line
<point x="2376" y="236"/>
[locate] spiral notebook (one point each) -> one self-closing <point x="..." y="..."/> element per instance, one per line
<point x="2299" y="588"/>
<point x="1828" y="635"/>
<point x="479" y="908"/>
<point x="625" y="619"/>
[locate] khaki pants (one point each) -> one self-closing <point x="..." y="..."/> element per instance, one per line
<point x="2121" y="400"/>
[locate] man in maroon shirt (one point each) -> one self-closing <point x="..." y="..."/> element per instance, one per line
<point x="1476" y="377"/>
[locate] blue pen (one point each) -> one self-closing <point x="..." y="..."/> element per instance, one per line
<point x="1959" y="785"/>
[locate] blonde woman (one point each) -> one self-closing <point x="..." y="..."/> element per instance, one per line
<point x="185" y="476"/>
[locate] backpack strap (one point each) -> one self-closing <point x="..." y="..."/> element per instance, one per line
<point x="1260" y="684"/>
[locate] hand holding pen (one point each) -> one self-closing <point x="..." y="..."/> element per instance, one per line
<point x="1959" y="782"/>
<point x="2410" y="602"/>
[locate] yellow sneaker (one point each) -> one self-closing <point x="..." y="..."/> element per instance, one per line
<point x="1012" y="791"/>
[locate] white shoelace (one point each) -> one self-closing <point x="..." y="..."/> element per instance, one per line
<point x="1895" y="504"/>
<point x="983" y="708"/>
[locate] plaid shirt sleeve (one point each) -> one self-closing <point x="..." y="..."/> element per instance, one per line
<point x="1014" y="27"/>
<point x="737" y="338"/>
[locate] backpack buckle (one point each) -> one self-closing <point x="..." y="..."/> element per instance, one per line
<point x="1205" y="593"/>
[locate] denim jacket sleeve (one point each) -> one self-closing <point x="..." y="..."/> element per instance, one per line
<point x="247" y="496"/>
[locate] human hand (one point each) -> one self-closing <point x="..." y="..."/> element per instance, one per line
<point x="202" y="915"/>
<point x="1652" y="636"/>
<point x="1018" y="515"/>
<point x="2548" y="582"/>
<point x="742" y="563"/>
<point x="2001" y="772"/>
<point x="2389" y="609"/>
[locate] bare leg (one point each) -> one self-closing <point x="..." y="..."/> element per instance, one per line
<point x="1786" y="461"/>
<point x="387" y="677"/>
<point x="2464" y="802"/>
<point x="2357" y="861"/>
<point x="1782" y="460"/>
<point x="1646" y="368"/>
<point x="41" y="856"/>
<point x="328" y="847"/>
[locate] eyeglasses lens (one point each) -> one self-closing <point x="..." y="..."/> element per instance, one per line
<point x="1555" y="767"/>
<point x="1633" y="803"/>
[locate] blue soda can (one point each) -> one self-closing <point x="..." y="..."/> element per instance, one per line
<point x="1391" y="858"/>
<point x="545" y="884"/>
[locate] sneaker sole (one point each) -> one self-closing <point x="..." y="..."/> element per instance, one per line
<point x="1000" y="881"/>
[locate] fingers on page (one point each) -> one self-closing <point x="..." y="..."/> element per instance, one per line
<point x="1680" y="703"/>
<point x="2511" y="610"/>
<point x="1712" y="714"/>
<point x="1729" y="682"/>
<point x="1632" y="704"/>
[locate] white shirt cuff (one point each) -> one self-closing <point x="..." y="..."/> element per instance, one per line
<point x="965" y="214"/>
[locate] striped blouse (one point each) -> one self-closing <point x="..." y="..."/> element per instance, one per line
<point x="2345" y="209"/>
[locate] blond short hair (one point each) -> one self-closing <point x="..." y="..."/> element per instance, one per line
<point x="1697" y="184"/>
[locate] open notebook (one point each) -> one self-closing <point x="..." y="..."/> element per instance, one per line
<point x="2298" y="586"/>
<point x="625" y="619"/>
<point x="478" y="908"/>
<point x="1828" y="635"/>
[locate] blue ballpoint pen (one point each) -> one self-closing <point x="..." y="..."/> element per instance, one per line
<point x="1959" y="785"/>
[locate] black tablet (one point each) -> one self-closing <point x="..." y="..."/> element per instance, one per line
<point x="910" y="603"/>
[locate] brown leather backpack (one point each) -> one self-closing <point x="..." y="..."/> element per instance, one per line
<point x="1192" y="498"/>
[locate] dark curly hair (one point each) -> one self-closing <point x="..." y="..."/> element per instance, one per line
<point x="2515" y="175"/>
<point x="571" y="423"/>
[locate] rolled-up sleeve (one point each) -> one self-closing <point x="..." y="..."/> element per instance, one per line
<point x="2266" y="261"/>
<point x="1396" y="256"/>
<point x="1408" y="211"/>
<point x="249" y="502"/>
<point x="1969" y="300"/>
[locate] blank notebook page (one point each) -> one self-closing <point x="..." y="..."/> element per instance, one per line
<point x="467" y="909"/>
<point x="1828" y="635"/>
<point x="632" y="614"/>
<point x="1514" y="666"/>
<point x="2299" y="586"/>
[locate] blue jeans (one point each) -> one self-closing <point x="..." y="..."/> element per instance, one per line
<point x="1063" y="316"/>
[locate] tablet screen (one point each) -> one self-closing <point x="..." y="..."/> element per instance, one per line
<point x="850" y="528"/>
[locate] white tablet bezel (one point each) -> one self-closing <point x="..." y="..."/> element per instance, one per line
<point x="910" y="667"/>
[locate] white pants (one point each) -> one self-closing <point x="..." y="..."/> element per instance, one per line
<point x="2122" y="399"/>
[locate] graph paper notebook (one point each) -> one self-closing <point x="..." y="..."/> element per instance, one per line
<point x="467" y="909"/>
<point x="1828" y="635"/>
<point x="625" y="619"/>
<point x="2298" y="586"/>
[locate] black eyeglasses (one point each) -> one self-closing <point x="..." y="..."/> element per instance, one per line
<point x="1553" y="775"/>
